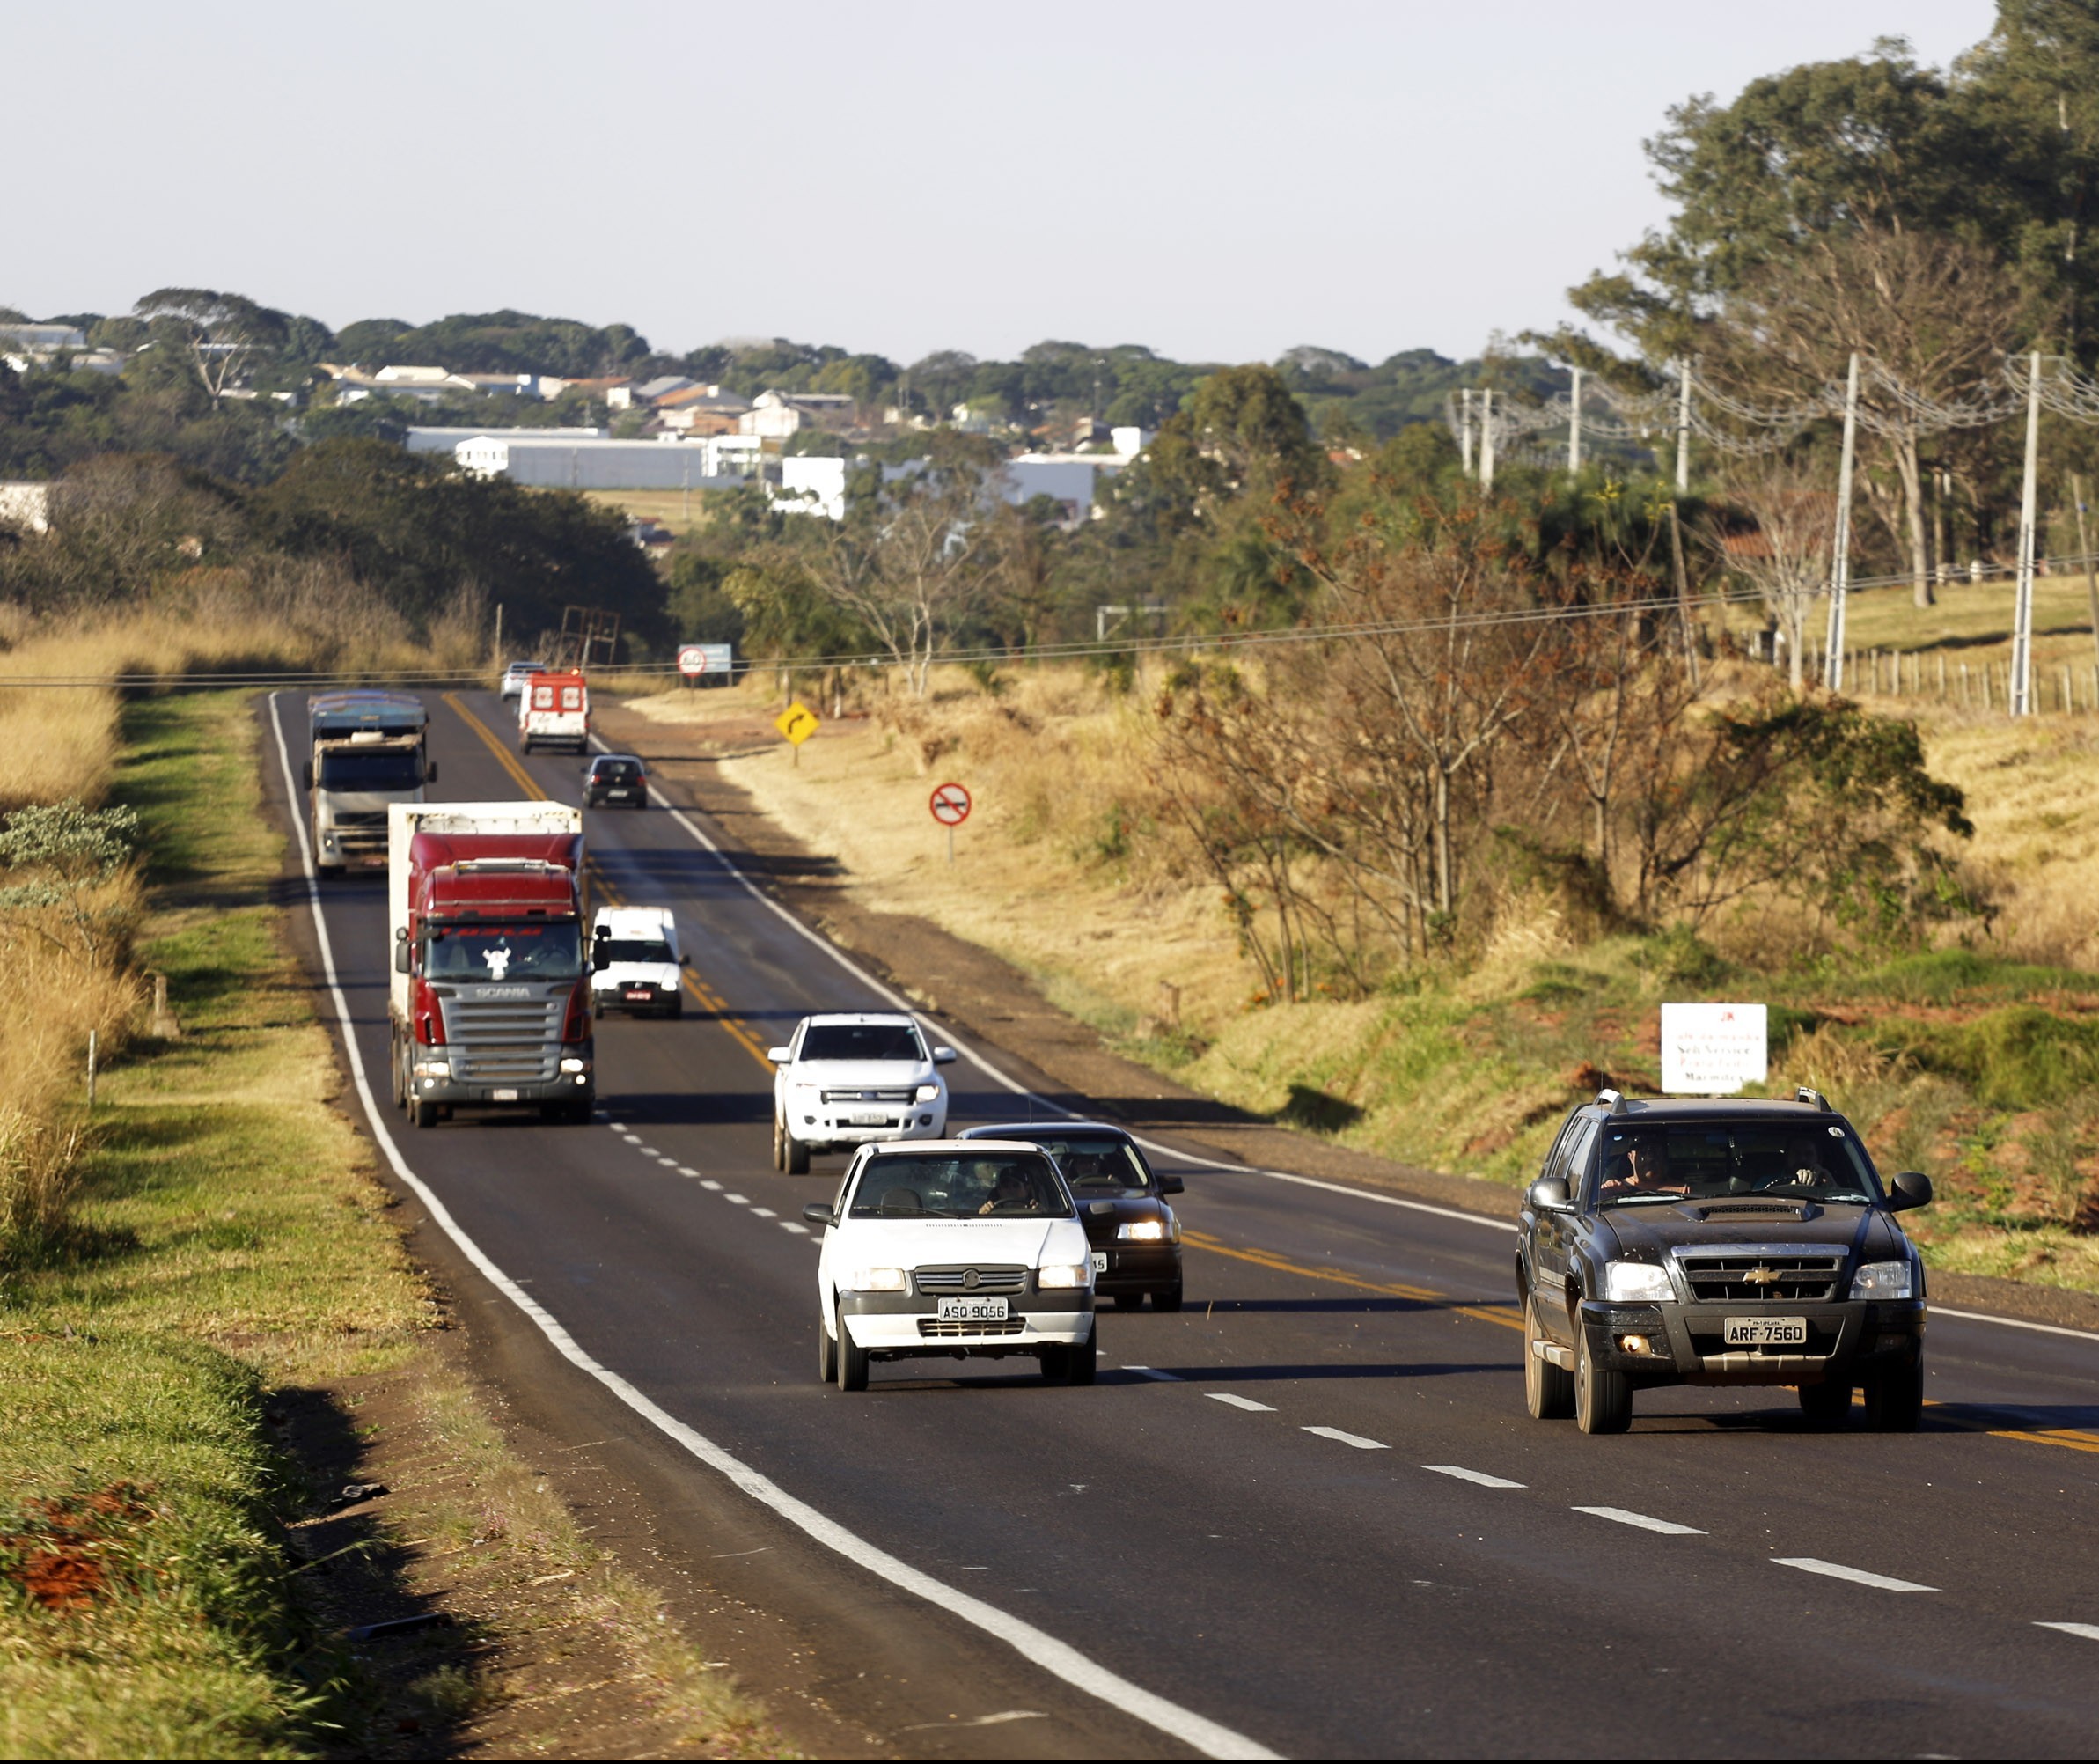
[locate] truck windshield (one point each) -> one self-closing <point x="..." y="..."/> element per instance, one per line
<point x="532" y="950"/>
<point x="399" y="770"/>
<point x="992" y="1185"/>
<point x="862" y="1041"/>
<point x="1808" y="1160"/>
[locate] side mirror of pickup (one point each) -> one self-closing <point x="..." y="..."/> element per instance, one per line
<point x="779" y="1057"/>
<point x="1548" y="1194"/>
<point x="945" y="1057"/>
<point x="820" y="1213"/>
<point x="1172" y="1185"/>
<point x="1910" y="1188"/>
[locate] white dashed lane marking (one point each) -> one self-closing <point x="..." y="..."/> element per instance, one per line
<point x="686" y="1169"/>
<point x="671" y="1162"/>
<point x="1668" y="1528"/>
<point x="763" y="1213"/>
<point x="1240" y="1402"/>
<point x="2088" y="1631"/>
<point x="1355" y="1439"/>
<point x="1466" y="1475"/>
<point x="709" y="1182"/>
<point x="789" y="1226"/>
<point x="1836" y="1570"/>
<point x="738" y="1200"/>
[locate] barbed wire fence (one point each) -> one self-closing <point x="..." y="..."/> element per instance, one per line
<point x="1872" y="397"/>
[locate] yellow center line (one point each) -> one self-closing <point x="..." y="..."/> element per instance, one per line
<point x="1390" y="1290"/>
<point x="612" y="895"/>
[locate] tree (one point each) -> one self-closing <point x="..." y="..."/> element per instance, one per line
<point x="1785" y="552"/>
<point x="221" y="336"/>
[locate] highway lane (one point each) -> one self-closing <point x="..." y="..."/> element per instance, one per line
<point x="1317" y="1592"/>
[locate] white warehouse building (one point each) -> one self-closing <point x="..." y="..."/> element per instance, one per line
<point x="589" y="463"/>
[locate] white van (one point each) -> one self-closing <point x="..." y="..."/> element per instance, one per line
<point x="636" y="963"/>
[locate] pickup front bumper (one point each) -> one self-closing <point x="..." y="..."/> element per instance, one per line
<point x="1677" y="1344"/>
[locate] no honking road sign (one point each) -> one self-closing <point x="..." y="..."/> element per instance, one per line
<point x="950" y="804"/>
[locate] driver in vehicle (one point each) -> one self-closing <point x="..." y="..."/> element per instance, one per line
<point x="1641" y="1168"/>
<point x="1011" y="1193"/>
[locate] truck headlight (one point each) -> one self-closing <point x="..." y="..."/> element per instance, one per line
<point x="573" y="1064"/>
<point x="875" y="1279"/>
<point x="1142" y="1231"/>
<point x="1060" y="1275"/>
<point x="433" y="1068"/>
<point x="1883" y="1280"/>
<point x="1629" y="1281"/>
<point x="927" y="1093"/>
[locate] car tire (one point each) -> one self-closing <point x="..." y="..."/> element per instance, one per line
<point x="852" y="1361"/>
<point x="675" y="1008"/>
<point x="1167" y="1297"/>
<point x="1056" y="1361"/>
<point x="779" y="1148"/>
<point x="1895" y="1401"/>
<point x="1825" y="1405"/>
<point x="1082" y="1362"/>
<point x="423" y="1114"/>
<point x="1128" y="1301"/>
<point x="797" y="1153"/>
<point x="1602" y="1398"/>
<point x="1548" y="1390"/>
<point x="826" y="1354"/>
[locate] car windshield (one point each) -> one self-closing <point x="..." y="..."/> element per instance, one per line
<point x="1098" y="1164"/>
<point x="862" y="1041"/>
<point x="350" y="771"/>
<point x="1709" y="1160"/>
<point x="532" y="950"/>
<point x="615" y="772"/>
<point x="997" y="1184"/>
<point x="632" y="949"/>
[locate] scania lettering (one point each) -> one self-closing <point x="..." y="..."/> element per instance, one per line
<point x="366" y="751"/>
<point x="490" y="999"/>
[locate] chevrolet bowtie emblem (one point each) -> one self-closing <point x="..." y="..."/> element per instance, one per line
<point x="1761" y="1276"/>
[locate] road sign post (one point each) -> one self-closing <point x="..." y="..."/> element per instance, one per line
<point x="951" y="806"/>
<point x="797" y="723"/>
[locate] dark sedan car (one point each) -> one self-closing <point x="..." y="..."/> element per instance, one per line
<point x="615" y="780"/>
<point x="1719" y="1243"/>
<point x="1134" y="1238"/>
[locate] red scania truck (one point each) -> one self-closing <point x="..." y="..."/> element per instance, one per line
<point x="490" y="1001"/>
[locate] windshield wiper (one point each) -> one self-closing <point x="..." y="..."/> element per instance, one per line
<point x="1641" y="1199"/>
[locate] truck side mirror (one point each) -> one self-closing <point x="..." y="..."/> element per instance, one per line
<point x="944" y="1056"/>
<point x="1548" y="1194"/>
<point x="402" y="955"/>
<point x="308" y="773"/>
<point x="1910" y="1188"/>
<point x="600" y="961"/>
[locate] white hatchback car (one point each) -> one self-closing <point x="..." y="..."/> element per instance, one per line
<point x="850" y="1078"/>
<point x="962" y="1249"/>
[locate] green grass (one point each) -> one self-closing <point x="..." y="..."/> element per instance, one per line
<point x="230" y="1237"/>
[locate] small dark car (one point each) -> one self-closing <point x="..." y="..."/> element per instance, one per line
<point x="615" y="779"/>
<point x="1134" y="1238"/>
<point x="1718" y="1243"/>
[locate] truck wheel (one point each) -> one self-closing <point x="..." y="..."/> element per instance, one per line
<point x="1826" y="1404"/>
<point x="1167" y="1297"/>
<point x="852" y="1361"/>
<point x="1602" y="1399"/>
<point x="1128" y="1301"/>
<point x="423" y="1114"/>
<point x="826" y="1354"/>
<point x="797" y="1154"/>
<point x="1548" y="1390"/>
<point x="1895" y="1401"/>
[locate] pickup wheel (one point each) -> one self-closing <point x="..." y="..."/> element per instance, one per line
<point x="852" y="1361"/>
<point x="1826" y="1404"/>
<point x="826" y="1354"/>
<point x="1602" y="1399"/>
<point x="1895" y="1401"/>
<point x="423" y="1114"/>
<point x="779" y="1150"/>
<point x="797" y="1153"/>
<point x="1548" y="1390"/>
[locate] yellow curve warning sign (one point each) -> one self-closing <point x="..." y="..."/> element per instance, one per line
<point x="797" y="723"/>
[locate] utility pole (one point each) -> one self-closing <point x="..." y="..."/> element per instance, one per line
<point x="2091" y="569"/>
<point x="499" y="632"/>
<point x="2019" y="693"/>
<point x="1684" y="428"/>
<point x="1487" y="439"/>
<point x="1832" y="661"/>
<point x="1465" y="427"/>
<point x="1573" y="426"/>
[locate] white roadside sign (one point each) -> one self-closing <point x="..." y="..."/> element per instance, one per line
<point x="1713" y="1050"/>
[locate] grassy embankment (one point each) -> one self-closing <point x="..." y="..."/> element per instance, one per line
<point x="221" y="1237"/>
<point x="1980" y="1065"/>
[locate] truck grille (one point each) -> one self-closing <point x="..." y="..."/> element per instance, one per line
<point x="934" y="1327"/>
<point x="835" y="1096"/>
<point x="1738" y="1276"/>
<point x="990" y="1280"/>
<point x="504" y="1040"/>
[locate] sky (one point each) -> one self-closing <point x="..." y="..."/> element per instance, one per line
<point x="1219" y="180"/>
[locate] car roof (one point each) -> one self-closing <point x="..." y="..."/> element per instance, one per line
<point x="892" y="1147"/>
<point x="632" y="915"/>
<point x="632" y="759"/>
<point x="527" y="668"/>
<point x="1022" y="1129"/>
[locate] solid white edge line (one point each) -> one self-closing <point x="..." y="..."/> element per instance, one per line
<point x="1058" y="1659"/>
<point x="1479" y="1476"/>
<point x="1355" y="1439"/>
<point x="1622" y="1516"/>
<point x="1233" y="1400"/>
<point x="2088" y="1631"/>
<point x="2016" y="1323"/>
<point x="1836" y="1570"/>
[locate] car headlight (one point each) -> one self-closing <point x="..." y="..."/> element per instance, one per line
<point x="1625" y="1282"/>
<point x="927" y="1093"/>
<point x="1058" y="1276"/>
<point x="1142" y="1231"/>
<point x="1883" y="1280"/>
<point x="875" y="1280"/>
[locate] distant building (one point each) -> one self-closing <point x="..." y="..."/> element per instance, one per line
<point x="700" y="410"/>
<point x="778" y="414"/>
<point x="629" y="396"/>
<point x="589" y="463"/>
<point x="24" y="346"/>
<point x="434" y="438"/>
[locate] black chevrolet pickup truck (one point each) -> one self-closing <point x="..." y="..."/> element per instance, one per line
<point x="1718" y="1243"/>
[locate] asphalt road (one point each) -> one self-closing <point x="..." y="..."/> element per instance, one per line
<point x="1311" y="1514"/>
